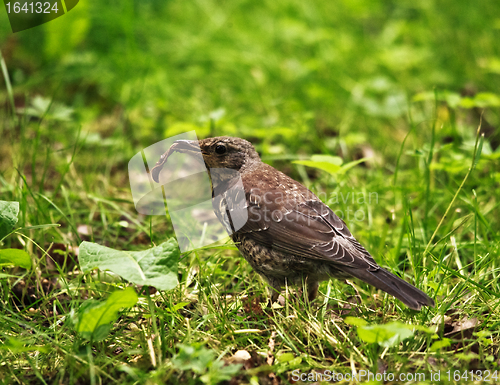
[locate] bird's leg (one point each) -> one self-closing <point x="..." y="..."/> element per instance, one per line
<point x="273" y="294"/>
<point x="274" y="289"/>
<point x="312" y="290"/>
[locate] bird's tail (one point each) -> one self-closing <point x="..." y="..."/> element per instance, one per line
<point x="395" y="286"/>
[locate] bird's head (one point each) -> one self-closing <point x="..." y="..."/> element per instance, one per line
<point x="222" y="152"/>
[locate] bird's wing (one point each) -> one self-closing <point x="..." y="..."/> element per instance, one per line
<point x="298" y="222"/>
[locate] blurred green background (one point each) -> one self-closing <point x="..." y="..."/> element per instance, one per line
<point x="273" y="72"/>
<point x="402" y="83"/>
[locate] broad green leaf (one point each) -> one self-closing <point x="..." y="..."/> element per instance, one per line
<point x="385" y="335"/>
<point x="337" y="160"/>
<point x="17" y="346"/>
<point x="8" y="216"/>
<point x="45" y="107"/>
<point x="153" y="267"/>
<point x="481" y="100"/>
<point x="328" y="163"/>
<point x="193" y="357"/>
<point x="94" y="319"/>
<point x="285" y="357"/>
<point x="482" y="333"/>
<point x="15" y="257"/>
<point x="438" y="345"/>
<point x="177" y="307"/>
<point x="346" y="167"/>
<point x="355" y="321"/>
<point x="324" y="166"/>
<point x="203" y="362"/>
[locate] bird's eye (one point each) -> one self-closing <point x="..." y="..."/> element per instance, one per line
<point x="220" y="149"/>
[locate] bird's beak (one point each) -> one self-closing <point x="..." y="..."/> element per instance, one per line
<point x="183" y="146"/>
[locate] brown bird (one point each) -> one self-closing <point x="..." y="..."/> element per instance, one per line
<point x="286" y="233"/>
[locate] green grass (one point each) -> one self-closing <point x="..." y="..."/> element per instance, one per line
<point x="405" y="84"/>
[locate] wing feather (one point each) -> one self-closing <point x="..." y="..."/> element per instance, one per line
<point x="295" y="221"/>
